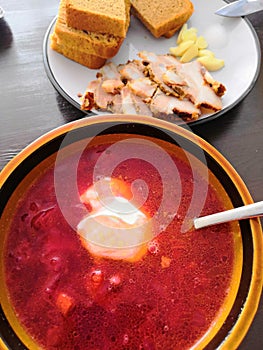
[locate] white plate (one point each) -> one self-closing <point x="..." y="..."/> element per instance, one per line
<point x="232" y="39"/>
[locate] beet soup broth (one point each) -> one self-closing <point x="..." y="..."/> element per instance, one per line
<point x="167" y="296"/>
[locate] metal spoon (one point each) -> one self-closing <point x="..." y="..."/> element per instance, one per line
<point x="240" y="8"/>
<point x="244" y="212"/>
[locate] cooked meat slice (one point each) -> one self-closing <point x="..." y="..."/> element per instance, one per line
<point x="185" y="79"/>
<point x="132" y="104"/>
<point x="102" y="98"/>
<point x="96" y="97"/>
<point x="87" y="103"/>
<point x="138" y="83"/>
<point x="112" y="86"/>
<point x="157" y="66"/>
<point x="156" y="85"/>
<point x="195" y="85"/>
<point x="208" y="100"/>
<point x="87" y="100"/>
<point x="141" y="107"/>
<point x="157" y="72"/>
<point x="132" y="70"/>
<point x="182" y="70"/>
<point x="148" y="57"/>
<point x="171" y="78"/>
<point x="162" y="105"/>
<point x="99" y="93"/>
<point x="109" y="71"/>
<point x="142" y="87"/>
<point x="116" y="105"/>
<point x="198" y="91"/>
<point x="128" y="106"/>
<point x="111" y="78"/>
<point x="128" y="103"/>
<point x="218" y="87"/>
<point x="167" y="60"/>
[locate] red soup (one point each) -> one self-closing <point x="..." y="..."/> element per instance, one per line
<point x="166" y="293"/>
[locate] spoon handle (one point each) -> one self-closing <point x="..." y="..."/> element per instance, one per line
<point x="244" y="212"/>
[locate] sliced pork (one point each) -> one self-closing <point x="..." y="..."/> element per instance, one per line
<point x="167" y="105"/>
<point x="109" y="71"/>
<point x="197" y="89"/>
<point x="186" y="80"/>
<point x="218" y="87"/>
<point x="134" y="74"/>
<point x="128" y="103"/>
<point x="132" y="70"/>
<point x="154" y="85"/>
<point x="142" y="87"/>
<point x="112" y="86"/>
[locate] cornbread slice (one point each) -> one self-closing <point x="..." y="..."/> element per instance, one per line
<point x="111" y="17"/>
<point x="162" y="17"/>
<point x="76" y="54"/>
<point x="103" y="45"/>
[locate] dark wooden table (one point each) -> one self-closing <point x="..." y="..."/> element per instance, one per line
<point x="30" y="106"/>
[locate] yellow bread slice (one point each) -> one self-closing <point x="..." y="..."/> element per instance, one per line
<point x="162" y="17"/>
<point x="75" y="54"/>
<point x="103" y="45"/>
<point x="111" y="17"/>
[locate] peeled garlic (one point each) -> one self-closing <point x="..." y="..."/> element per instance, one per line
<point x="183" y="29"/>
<point x="206" y="53"/>
<point x="189" y="34"/>
<point x="181" y="48"/>
<point x="201" y="42"/>
<point x="211" y="63"/>
<point x="190" y="46"/>
<point x="190" y="53"/>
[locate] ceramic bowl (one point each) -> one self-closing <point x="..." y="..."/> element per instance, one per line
<point x="235" y="321"/>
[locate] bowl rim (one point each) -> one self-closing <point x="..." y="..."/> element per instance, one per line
<point x="250" y="306"/>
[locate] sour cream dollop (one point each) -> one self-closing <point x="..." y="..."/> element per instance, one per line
<point x="115" y="228"/>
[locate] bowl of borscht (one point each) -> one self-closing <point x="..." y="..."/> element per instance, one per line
<point x="98" y="249"/>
